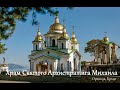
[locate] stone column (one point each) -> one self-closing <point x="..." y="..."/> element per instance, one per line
<point x="103" y="57"/>
<point x="46" y="41"/>
<point x="56" y="65"/>
<point x="108" y="55"/>
<point x="50" y="41"/>
<point x="30" y="65"/>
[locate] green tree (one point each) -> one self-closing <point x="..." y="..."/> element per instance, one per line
<point x="90" y="48"/>
<point x="2" y="48"/>
<point x="91" y="45"/>
<point x="10" y="15"/>
<point x="83" y="63"/>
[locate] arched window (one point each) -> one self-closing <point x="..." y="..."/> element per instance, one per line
<point x="36" y="47"/>
<point x="53" y="42"/>
<point x="62" y="45"/>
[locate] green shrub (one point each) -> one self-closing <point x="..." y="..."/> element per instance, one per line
<point x="3" y="72"/>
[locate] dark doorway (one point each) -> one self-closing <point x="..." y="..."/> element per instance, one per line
<point x="62" y="45"/>
<point x="51" y="67"/>
<point x="36" y="47"/>
<point x="74" y="64"/>
<point x="53" y="42"/>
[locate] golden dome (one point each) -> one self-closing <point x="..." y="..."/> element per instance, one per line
<point x="38" y="38"/>
<point x="3" y="65"/>
<point x="64" y="35"/>
<point x="106" y="39"/>
<point x="56" y="26"/>
<point x="74" y="40"/>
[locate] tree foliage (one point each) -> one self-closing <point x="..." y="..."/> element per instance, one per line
<point x="9" y="16"/>
<point x="95" y="42"/>
<point x="91" y="45"/>
<point x="2" y="48"/>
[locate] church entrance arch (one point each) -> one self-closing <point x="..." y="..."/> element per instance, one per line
<point x="43" y="66"/>
<point x="37" y="67"/>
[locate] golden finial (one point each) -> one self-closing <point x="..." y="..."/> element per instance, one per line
<point x="38" y="32"/>
<point x="73" y="29"/>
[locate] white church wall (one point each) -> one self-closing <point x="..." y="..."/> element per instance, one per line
<point x="55" y="65"/>
<point x="63" y="61"/>
<point x="71" y="60"/>
<point x="77" y="47"/>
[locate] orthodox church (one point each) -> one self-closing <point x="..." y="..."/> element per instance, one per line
<point x="56" y="51"/>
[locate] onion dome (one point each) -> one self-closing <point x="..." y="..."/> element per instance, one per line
<point x="56" y="26"/>
<point x="4" y="65"/>
<point x="73" y="39"/>
<point x="38" y="37"/>
<point x="64" y="34"/>
<point x="106" y="39"/>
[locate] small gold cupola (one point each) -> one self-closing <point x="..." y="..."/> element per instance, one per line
<point x="64" y="35"/>
<point x="73" y="39"/>
<point x="38" y="37"/>
<point x="105" y="39"/>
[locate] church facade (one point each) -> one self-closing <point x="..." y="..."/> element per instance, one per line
<point x="56" y="51"/>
